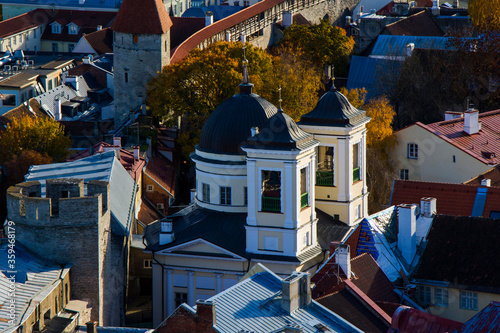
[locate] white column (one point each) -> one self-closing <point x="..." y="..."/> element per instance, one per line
<point x="296" y="195"/>
<point x="363" y="162"/>
<point x="342" y="158"/>
<point x="218" y="282"/>
<point x="251" y="187"/>
<point x="288" y="196"/>
<point x="191" y="288"/>
<point x="312" y="186"/>
<point x="170" y="292"/>
<point x="349" y="170"/>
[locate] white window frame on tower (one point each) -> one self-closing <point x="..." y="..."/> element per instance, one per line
<point x="334" y="161"/>
<point x="205" y="195"/>
<point x="360" y="159"/>
<point x="307" y="172"/>
<point x="259" y="173"/>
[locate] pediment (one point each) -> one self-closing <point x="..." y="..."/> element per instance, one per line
<point x="200" y="247"/>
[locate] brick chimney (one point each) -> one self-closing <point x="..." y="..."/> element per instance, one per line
<point x="205" y="310"/>
<point x="296" y="291"/>
<point x="407" y="228"/>
<point x="343" y="259"/>
<point x="471" y="122"/>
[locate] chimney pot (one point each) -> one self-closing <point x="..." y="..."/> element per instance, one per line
<point x="343" y="258"/>
<point x="471" y="122"/>
<point x="428" y="207"/>
<point x="296" y="291"/>
<point x="206" y="312"/>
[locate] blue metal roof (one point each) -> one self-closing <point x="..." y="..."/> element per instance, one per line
<point x="254" y="305"/>
<point x="479" y="201"/>
<point x="103" y="167"/>
<point x="394" y="46"/>
<point x="39" y="278"/>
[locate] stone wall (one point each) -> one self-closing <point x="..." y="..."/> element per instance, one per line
<point x="77" y="233"/>
<point x="137" y="59"/>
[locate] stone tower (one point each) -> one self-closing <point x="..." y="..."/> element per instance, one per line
<point x="141" y="47"/>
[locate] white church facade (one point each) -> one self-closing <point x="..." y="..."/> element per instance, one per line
<point x="268" y="190"/>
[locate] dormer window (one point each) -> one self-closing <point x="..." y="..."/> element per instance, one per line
<point x="56" y="28"/>
<point x="72" y="29"/>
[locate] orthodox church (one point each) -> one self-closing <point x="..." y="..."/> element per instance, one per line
<point x="268" y="190"/>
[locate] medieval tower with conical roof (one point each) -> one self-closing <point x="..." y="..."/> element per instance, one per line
<point x="141" y="47"/>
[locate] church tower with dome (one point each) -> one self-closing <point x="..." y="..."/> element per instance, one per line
<point x="257" y="197"/>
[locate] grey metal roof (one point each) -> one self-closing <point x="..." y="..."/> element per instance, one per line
<point x="254" y="305"/>
<point x="281" y="133"/>
<point x="395" y="46"/>
<point x="334" y="110"/>
<point x="228" y="127"/>
<point x="65" y="93"/>
<point x="103" y="167"/>
<point x="42" y="277"/>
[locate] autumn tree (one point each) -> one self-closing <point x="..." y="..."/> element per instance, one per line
<point x="356" y="96"/>
<point x="322" y="43"/>
<point x="485" y="14"/>
<point x="194" y="87"/>
<point x="44" y="136"/>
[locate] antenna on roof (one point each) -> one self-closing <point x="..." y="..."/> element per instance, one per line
<point x="245" y="66"/>
<point x="279" y="99"/>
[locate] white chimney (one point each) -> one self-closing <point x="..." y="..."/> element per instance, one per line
<point x="228" y="36"/>
<point x="243" y="38"/>
<point x="57" y="109"/>
<point x="99" y="27"/>
<point x="486" y="182"/>
<point x="193" y="195"/>
<point x="407" y="227"/>
<point x="428" y="207"/>
<point x="347" y="20"/>
<point x="435" y="8"/>
<point x="343" y="259"/>
<point x="73" y="80"/>
<point x="471" y="122"/>
<point x="209" y="18"/>
<point x="254" y="131"/>
<point x="449" y="115"/>
<point x="117" y="141"/>
<point x="409" y="49"/>
<point x="166" y="234"/>
<point x="136" y="152"/>
<point x="287" y="19"/>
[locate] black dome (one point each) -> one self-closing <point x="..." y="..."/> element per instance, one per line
<point x="281" y="133"/>
<point x="333" y="109"/>
<point x="228" y="127"/>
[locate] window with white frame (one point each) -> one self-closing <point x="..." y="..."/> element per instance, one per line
<point x="56" y="29"/>
<point x="150" y="188"/>
<point x="424" y="294"/>
<point x="225" y="195"/>
<point x="325" y="169"/>
<point x="147" y="263"/>
<point x="205" y="192"/>
<point x="271" y="191"/>
<point x="412" y="150"/>
<point x="468" y="300"/>
<point x="304" y="191"/>
<point x="403" y="174"/>
<point x="441" y="297"/>
<point x="356" y="162"/>
<point x="72" y="29"/>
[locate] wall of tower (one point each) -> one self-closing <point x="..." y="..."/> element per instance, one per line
<point x="76" y="233"/>
<point x="137" y="60"/>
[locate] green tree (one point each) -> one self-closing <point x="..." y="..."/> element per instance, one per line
<point x="44" y="136"/>
<point x="322" y="43"/>
<point x="194" y="87"/>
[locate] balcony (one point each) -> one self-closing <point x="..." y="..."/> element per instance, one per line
<point x="304" y="200"/>
<point x="270" y="204"/>
<point x="324" y="178"/>
<point x="355" y="174"/>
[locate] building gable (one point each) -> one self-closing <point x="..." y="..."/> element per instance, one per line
<point x="200" y="247"/>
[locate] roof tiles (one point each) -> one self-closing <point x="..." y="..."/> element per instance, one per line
<point x="419" y="24"/>
<point x="142" y="17"/>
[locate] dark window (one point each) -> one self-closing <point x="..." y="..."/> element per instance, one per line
<point x="180" y="298"/>
<point x="454" y="159"/>
<point x="126" y="77"/>
<point x="412" y="150"/>
<point x="206" y="192"/>
<point x="271" y="191"/>
<point x="356" y="162"/>
<point x="64" y="194"/>
<point x="403" y="174"/>
<point x="136" y="39"/>
<point x="304" y="196"/>
<point x="245" y="194"/>
<point x="225" y="195"/>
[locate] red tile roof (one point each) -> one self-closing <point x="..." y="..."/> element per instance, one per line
<point x="493" y="174"/>
<point x="35" y="110"/>
<point x="22" y="22"/>
<point x="142" y="17"/>
<point x="219" y="26"/>
<point x="420" y="24"/>
<point x="101" y="41"/>
<point x="487" y="140"/>
<point x="409" y="320"/>
<point x="148" y="213"/>
<point x="89" y="21"/>
<point x="163" y="172"/>
<point x="452" y="199"/>
<point x="486" y="321"/>
<point x="126" y="158"/>
<point x="183" y="28"/>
